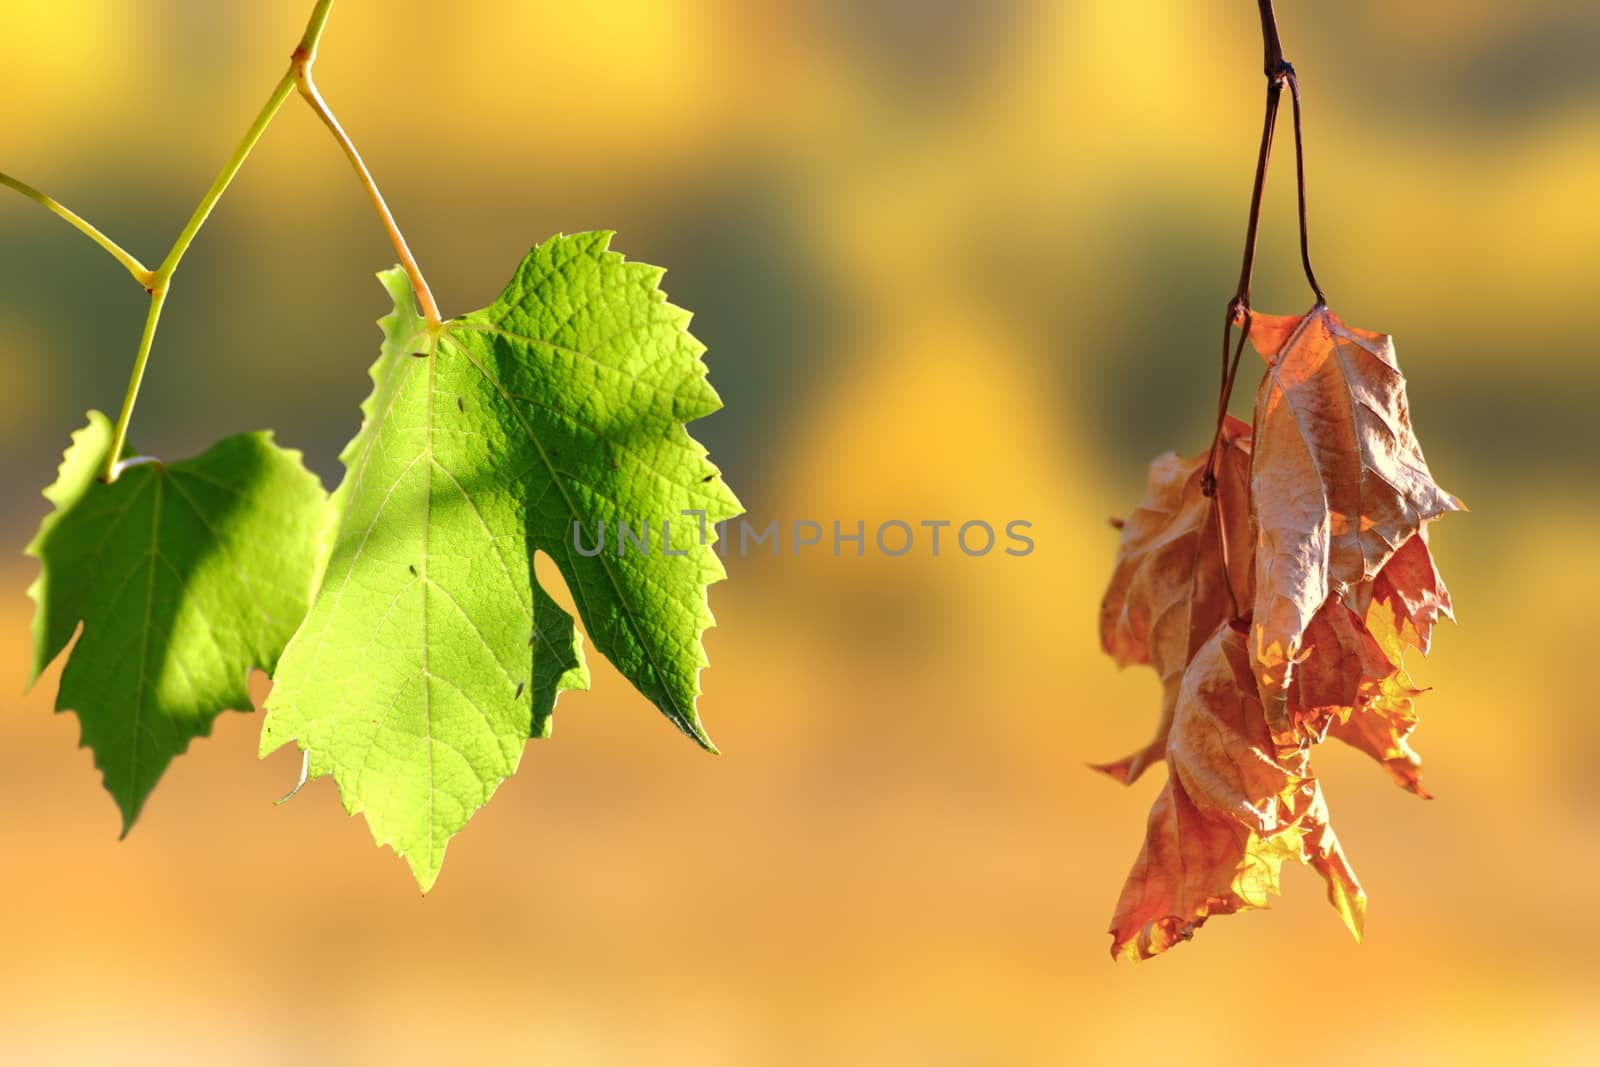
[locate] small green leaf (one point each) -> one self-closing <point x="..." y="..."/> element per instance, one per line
<point x="185" y="576"/>
<point x="431" y="654"/>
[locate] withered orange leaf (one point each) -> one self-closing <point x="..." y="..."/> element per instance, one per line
<point x="1339" y="662"/>
<point x="1168" y="592"/>
<point x="1382" y="726"/>
<point x="1352" y="684"/>
<point x="1339" y="483"/>
<point x="1235" y="807"/>
<point x="1385" y="715"/>
<point x="1411" y="585"/>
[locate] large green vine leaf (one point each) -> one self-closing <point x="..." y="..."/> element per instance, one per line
<point x="431" y="654"/>
<point x="185" y="576"/>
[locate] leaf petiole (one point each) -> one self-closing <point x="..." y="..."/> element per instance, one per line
<point x="304" y="58"/>
<point x="119" y="434"/>
<point x="1280" y="74"/>
<point x="141" y="274"/>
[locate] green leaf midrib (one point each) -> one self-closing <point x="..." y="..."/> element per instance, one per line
<point x="144" y="646"/>
<point x="157" y="481"/>
<point x="422" y="576"/>
<point x="358" y="477"/>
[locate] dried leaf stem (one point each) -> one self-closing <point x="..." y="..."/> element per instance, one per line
<point x="1279" y="73"/>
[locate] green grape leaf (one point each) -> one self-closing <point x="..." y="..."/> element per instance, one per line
<point x="431" y="654"/>
<point x="185" y="576"/>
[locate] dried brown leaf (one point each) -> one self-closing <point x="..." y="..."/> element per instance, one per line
<point x="1352" y="683"/>
<point x="1384" y="716"/>
<point x="1382" y="726"/>
<point x="1339" y="483"/>
<point x="1410" y="584"/>
<point x="1235" y="807"/>
<point x="1167" y="592"/>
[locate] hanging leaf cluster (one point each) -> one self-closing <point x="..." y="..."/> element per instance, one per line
<point x="1275" y="586"/>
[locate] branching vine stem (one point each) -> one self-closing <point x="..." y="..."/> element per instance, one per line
<point x="157" y="282"/>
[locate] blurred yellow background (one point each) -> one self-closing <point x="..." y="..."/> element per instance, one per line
<point x="953" y="259"/>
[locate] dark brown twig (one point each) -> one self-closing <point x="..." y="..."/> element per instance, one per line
<point x="1300" y="182"/>
<point x="1280" y="73"/>
<point x="1241" y="295"/>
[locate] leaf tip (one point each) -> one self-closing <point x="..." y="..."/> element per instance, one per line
<point x="425" y="869"/>
<point x="128" y="807"/>
<point x="701" y="738"/>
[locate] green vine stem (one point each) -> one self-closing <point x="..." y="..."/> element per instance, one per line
<point x="141" y="274"/>
<point x="161" y="282"/>
<point x="304" y="57"/>
<point x="157" y="282"/>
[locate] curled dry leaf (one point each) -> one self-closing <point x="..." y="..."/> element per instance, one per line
<point x="1410" y="584"/>
<point x="1235" y="807"/>
<point x="1319" y="527"/>
<point x="1352" y="684"/>
<point x="1339" y="659"/>
<point x="1382" y="726"/>
<point x="1405" y="601"/>
<point x="1168" y="592"/>
<point x="1339" y="483"/>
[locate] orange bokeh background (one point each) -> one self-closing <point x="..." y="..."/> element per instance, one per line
<point x="953" y="260"/>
